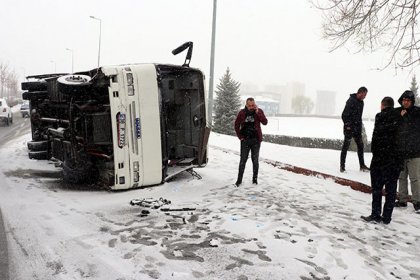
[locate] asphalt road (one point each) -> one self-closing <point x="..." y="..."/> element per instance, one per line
<point x="18" y="127"/>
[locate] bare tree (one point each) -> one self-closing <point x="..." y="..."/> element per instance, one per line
<point x="4" y="68"/>
<point x="302" y="104"/>
<point x="12" y="84"/>
<point x="414" y="88"/>
<point x="374" y="24"/>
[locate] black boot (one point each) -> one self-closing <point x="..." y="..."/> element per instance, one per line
<point x="371" y="219"/>
<point x="386" y="220"/>
<point x="364" y="168"/>
<point x="400" y="204"/>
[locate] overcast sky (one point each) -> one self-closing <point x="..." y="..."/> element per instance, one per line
<point x="263" y="42"/>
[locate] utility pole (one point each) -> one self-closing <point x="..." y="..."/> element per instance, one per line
<point x="213" y="39"/>
<point x="55" y="65"/>
<point x="72" y="59"/>
<point x="100" y="31"/>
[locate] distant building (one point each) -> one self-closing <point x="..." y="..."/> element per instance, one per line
<point x="325" y="102"/>
<point x="276" y="98"/>
<point x="291" y="90"/>
<point x="269" y="106"/>
<point x="274" y="88"/>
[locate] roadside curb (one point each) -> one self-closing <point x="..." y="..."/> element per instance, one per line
<point x="308" y="172"/>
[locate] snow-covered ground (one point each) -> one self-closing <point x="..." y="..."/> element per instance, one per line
<point x="289" y="226"/>
<point x="325" y="161"/>
<point x="311" y="127"/>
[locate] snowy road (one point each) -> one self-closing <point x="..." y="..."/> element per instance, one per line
<point x="4" y="257"/>
<point x="288" y="227"/>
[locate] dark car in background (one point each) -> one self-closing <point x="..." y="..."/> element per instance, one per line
<point x="24" y="109"/>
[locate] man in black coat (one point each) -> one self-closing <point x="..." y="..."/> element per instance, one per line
<point x="386" y="163"/>
<point x="352" y="119"/>
<point x="408" y="144"/>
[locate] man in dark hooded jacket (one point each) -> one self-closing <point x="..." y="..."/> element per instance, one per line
<point x="248" y="129"/>
<point x="408" y="145"/>
<point x="386" y="163"/>
<point x="352" y="119"/>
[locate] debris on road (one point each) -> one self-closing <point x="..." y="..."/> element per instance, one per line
<point x="150" y="202"/>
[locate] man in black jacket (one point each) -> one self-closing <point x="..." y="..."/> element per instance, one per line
<point x="386" y="164"/>
<point x="352" y="119"/>
<point x="408" y="144"/>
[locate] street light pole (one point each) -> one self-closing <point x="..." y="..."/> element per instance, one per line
<point x="100" y="33"/>
<point x="72" y="59"/>
<point x="55" y="65"/>
<point x="213" y="39"/>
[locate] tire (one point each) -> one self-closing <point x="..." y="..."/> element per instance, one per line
<point x="37" y="146"/>
<point x="73" y="84"/>
<point x="32" y="95"/>
<point x="82" y="173"/>
<point x="11" y="119"/>
<point x="7" y="121"/>
<point x="38" y="154"/>
<point x="34" y="85"/>
<point x="25" y="95"/>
